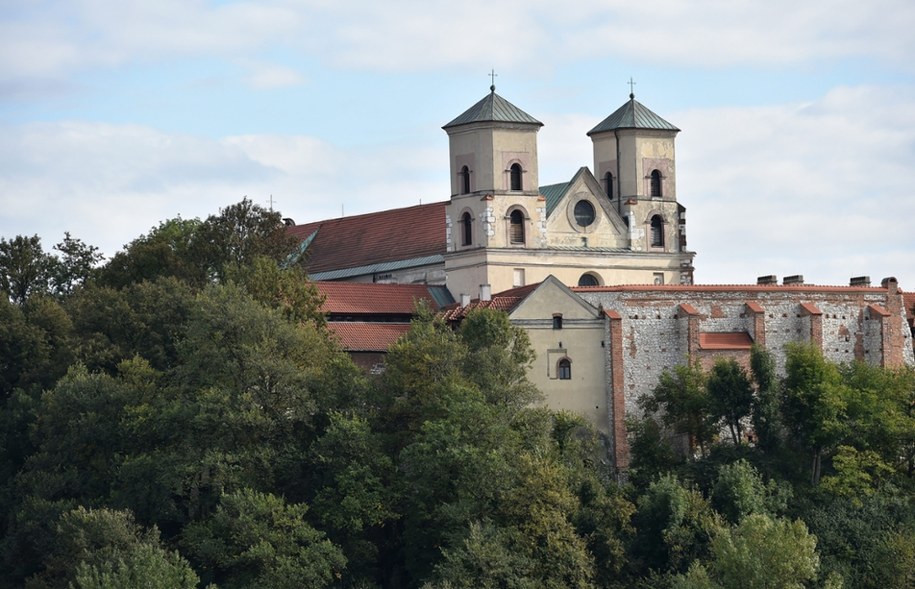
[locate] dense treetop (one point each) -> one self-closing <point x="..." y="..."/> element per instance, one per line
<point x="179" y="414"/>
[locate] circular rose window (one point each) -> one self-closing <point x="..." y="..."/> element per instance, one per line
<point x="584" y="213"/>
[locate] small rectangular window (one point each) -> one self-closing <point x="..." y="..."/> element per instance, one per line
<point x="659" y="278"/>
<point x="518" y="277"/>
<point x="557" y="321"/>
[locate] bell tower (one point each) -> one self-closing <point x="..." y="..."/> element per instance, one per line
<point x="635" y="163"/>
<point x="495" y="198"/>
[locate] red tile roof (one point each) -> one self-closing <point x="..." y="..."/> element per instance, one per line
<point x="811" y="309"/>
<point x="506" y="301"/>
<point x="738" y="340"/>
<point x="373" y="299"/>
<point x="359" y="240"/>
<point x="358" y="336"/>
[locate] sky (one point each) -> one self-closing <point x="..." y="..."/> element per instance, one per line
<point x="796" y="155"/>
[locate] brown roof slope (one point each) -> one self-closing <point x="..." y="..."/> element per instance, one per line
<point x="373" y="299"/>
<point x="356" y="336"/>
<point x="359" y="240"/>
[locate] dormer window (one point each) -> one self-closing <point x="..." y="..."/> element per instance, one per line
<point x="516" y="227"/>
<point x="655" y="183"/>
<point x="465" y="180"/>
<point x="466" y="229"/>
<point x="515" y="175"/>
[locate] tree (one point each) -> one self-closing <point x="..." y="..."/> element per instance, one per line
<point x="76" y="264"/>
<point x="674" y="525"/>
<point x="258" y="540"/>
<point x="765" y="414"/>
<point x="739" y="491"/>
<point x="239" y="234"/>
<point x="171" y="249"/>
<point x="25" y="268"/>
<point x="682" y="397"/>
<point x="731" y="395"/>
<point x="498" y="355"/>
<point x="759" y="553"/>
<point x="105" y="548"/>
<point x="814" y="402"/>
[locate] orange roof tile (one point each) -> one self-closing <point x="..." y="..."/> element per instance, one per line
<point x="359" y="336"/>
<point x="359" y="240"/>
<point x="738" y="340"/>
<point x="878" y="310"/>
<point x="371" y="298"/>
<point x="811" y="309"/>
<point x="755" y="307"/>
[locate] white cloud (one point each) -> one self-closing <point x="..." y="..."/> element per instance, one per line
<point x="822" y="189"/>
<point x="108" y="184"/>
<point x="58" y="38"/>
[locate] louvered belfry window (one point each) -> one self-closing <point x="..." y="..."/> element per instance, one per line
<point x="516" y="227"/>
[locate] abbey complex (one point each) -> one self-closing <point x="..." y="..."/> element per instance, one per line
<point x="596" y="269"/>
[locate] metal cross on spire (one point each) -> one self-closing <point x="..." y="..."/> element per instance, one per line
<point x="492" y="76"/>
<point x="631" y="87"/>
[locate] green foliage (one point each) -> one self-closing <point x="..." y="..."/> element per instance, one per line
<point x="169" y="250"/>
<point x="740" y="491"/>
<point x="765" y="416"/>
<point x="651" y="453"/>
<point x="674" y="525"/>
<point x="498" y="356"/>
<point x="102" y="548"/>
<point x="145" y="566"/>
<point x="730" y="395"/>
<point x="75" y="266"/>
<point x="284" y="288"/>
<point x="25" y="268"/>
<point x="814" y="402"/>
<point x="762" y="553"/>
<point x="857" y="473"/>
<point x="258" y="540"/>
<point x="682" y="397"/>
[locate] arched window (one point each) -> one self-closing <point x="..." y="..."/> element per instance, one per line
<point x="588" y="280"/>
<point x="516" y="227"/>
<point x="466" y="229"/>
<point x="465" y="180"/>
<point x="515" y="172"/>
<point x="655" y="183"/>
<point x="657" y="231"/>
<point x="608" y="183"/>
<point x="564" y="369"/>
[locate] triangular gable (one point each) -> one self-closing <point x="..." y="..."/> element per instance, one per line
<point x="552" y="296"/>
<point x="562" y="194"/>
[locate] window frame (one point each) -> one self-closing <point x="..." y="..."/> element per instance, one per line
<point x="564" y="368"/>
<point x="515" y="177"/>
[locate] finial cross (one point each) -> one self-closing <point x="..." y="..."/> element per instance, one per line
<point x="631" y="87"/>
<point x="492" y="76"/>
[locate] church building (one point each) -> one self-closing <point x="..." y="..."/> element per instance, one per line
<point x="621" y="224"/>
<point x="595" y="269"/>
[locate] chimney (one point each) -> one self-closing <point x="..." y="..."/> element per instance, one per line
<point x="890" y="283"/>
<point x="860" y="281"/>
<point x="485" y="292"/>
<point x="795" y="279"/>
<point x="465" y="300"/>
<point x="769" y="280"/>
